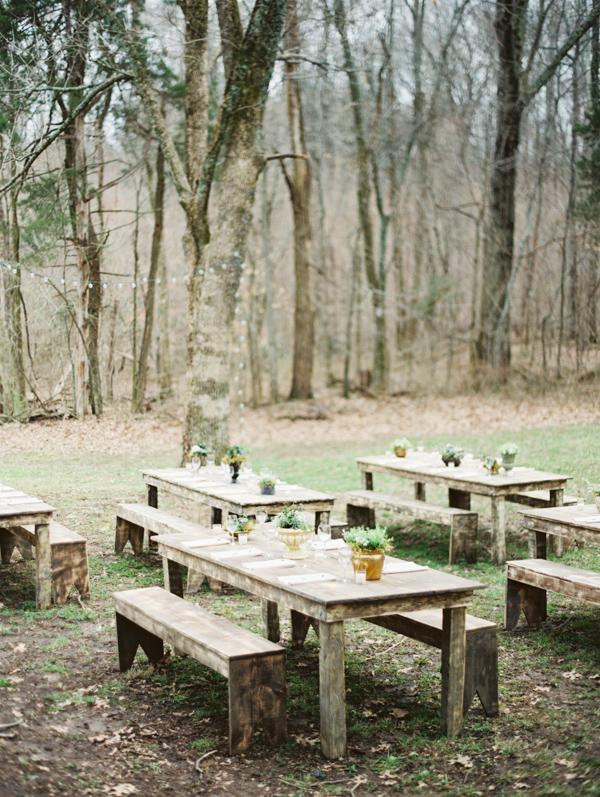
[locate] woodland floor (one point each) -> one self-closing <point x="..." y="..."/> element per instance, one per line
<point x="70" y="723"/>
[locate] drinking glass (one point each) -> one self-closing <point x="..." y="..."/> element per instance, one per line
<point x="261" y="517"/>
<point x="344" y="557"/>
<point x="270" y="530"/>
<point x="324" y="535"/>
<point x="264" y="472"/>
<point x="306" y="548"/>
<point x="231" y="528"/>
<point x="196" y="464"/>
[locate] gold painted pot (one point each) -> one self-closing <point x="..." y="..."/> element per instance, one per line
<point x="399" y="451"/>
<point x="369" y="561"/>
<point x="293" y="539"/>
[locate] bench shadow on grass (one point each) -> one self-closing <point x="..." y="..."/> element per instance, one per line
<point x="17" y="584"/>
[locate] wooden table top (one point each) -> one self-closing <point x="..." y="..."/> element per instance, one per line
<point x="566" y="521"/>
<point x="18" y="508"/>
<point x="238" y="498"/>
<point x="328" y="601"/>
<point x="469" y="476"/>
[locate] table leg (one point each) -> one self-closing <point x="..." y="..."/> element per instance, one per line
<point x="332" y="692"/>
<point x="43" y="567"/>
<point x="367" y="480"/>
<point x="173" y="576"/>
<point x="453" y="669"/>
<point x="536" y="545"/>
<point x="498" y="530"/>
<point x="152" y="493"/>
<point x="459" y="499"/>
<point x="270" y="617"/>
<point x="555" y="543"/>
<point x="420" y="491"/>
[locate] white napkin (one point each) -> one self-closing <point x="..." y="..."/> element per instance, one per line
<point x="205" y="543"/>
<point x="306" y="578"/>
<point x="268" y="564"/>
<point x="330" y="545"/>
<point x="21" y="501"/>
<point x="592" y="519"/>
<point x="392" y="565"/>
<point x="237" y="553"/>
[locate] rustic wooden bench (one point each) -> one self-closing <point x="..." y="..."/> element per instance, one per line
<point x="528" y="580"/>
<point x="134" y="521"/>
<point x="539" y="499"/>
<point x="481" y="660"/>
<point x="254" y="666"/>
<point x="361" y="506"/>
<point x="68" y="552"/>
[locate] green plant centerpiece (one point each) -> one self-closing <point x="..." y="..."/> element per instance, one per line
<point x="267" y="484"/>
<point x="200" y="452"/>
<point x="401" y="446"/>
<point x="368" y="549"/>
<point x="237" y="526"/>
<point x="235" y="455"/>
<point x="452" y="454"/>
<point x="293" y="530"/>
<point x="492" y="465"/>
<point x="508" y="452"/>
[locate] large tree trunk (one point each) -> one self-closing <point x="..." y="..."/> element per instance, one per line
<point x="299" y="186"/>
<point x="494" y="342"/>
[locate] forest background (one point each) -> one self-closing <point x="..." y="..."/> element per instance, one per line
<point x="292" y="200"/>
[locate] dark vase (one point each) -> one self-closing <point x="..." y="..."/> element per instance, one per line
<point x="234" y="467"/>
<point x="267" y="489"/>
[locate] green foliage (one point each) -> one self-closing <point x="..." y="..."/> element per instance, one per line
<point x="362" y="539"/>
<point x="291" y="517"/>
<point x="509" y="449"/>
<point x="236" y="453"/>
<point x="200" y="450"/>
<point x="268" y="480"/>
<point x="450" y="450"/>
<point x="402" y="442"/>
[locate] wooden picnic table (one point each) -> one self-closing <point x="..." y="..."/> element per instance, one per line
<point x="469" y="478"/>
<point x="563" y="521"/>
<point x="330" y="603"/>
<point x="17" y="510"/>
<point x="237" y="499"/>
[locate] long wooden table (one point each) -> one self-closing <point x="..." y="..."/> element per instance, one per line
<point x="16" y="510"/>
<point x="562" y="521"/>
<point x="237" y="499"/>
<point x="469" y="478"/>
<point x="330" y="603"/>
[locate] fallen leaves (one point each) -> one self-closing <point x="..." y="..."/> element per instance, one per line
<point x="120" y="790"/>
<point x="463" y="761"/>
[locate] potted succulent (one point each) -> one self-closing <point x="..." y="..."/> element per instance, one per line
<point x="199" y="454"/>
<point x="452" y="454"/>
<point x="368" y="549"/>
<point x="508" y="452"/>
<point x="491" y="464"/>
<point x="234" y="457"/>
<point x="240" y="525"/>
<point x="293" y="530"/>
<point x="267" y="484"/>
<point x="400" y="446"/>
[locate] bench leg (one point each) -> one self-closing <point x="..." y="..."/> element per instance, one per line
<point x="481" y="671"/>
<point x="360" y="516"/>
<point x="463" y="539"/>
<point x="270" y="621"/>
<point x="173" y="576"/>
<point x="43" y="567"/>
<point x="498" y="530"/>
<point x="300" y="625"/>
<point x="8" y="543"/>
<point x="453" y="669"/>
<point x="128" y="532"/>
<point x="536" y="545"/>
<point x="130" y="636"/>
<point x="532" y="600"/>
<point x="25" y="549"/>
<point x="70" y="568"/>
<point x="332" y="693"/>
<point x="194" y="581"/>
<point x="256" y="697"/>
<point x="420" y="493"/>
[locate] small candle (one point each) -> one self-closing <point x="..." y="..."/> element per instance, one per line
<point x="243" y="539"/>
<point x="361" y="576"/>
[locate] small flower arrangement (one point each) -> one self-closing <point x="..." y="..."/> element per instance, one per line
<point x="509" y="450"/>
<point x="240" y="525"/>
<point x="362" y="539"/>
<point x="267" y="484"/>
<point x="236" y="454"/>
<point x="291" y="517"/>
<point x="201" y="450"/>
<point x="452" y="454"/>
<point x="401" y="445"/>
<point x="491" y="464"/>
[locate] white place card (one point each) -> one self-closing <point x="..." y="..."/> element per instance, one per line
<point x="269" y="564"/>
<point x="392" y="565"/>
<point x="206" y="543"/>
<point x="592" y="520"/>
<point x="306" y="578"/>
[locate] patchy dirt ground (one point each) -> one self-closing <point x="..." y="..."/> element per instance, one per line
<point x="70" y="723"/>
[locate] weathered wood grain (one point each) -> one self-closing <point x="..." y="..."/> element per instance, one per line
<point x="332" y="689"/>
<point x="539" y="499"/>
<point x="270" y="619"/>
<point x="453" y="670"/>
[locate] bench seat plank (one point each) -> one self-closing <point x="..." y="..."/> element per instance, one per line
<point x="135" y="519"/>
<point x="539" y="499"/>
<point x="361" y="506"/>
<point x="254" y="666"/>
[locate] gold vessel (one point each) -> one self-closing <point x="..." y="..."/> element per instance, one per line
<point x="369" y="561"/>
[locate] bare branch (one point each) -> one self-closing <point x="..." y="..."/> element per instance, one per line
<point x="278" y="157"/>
